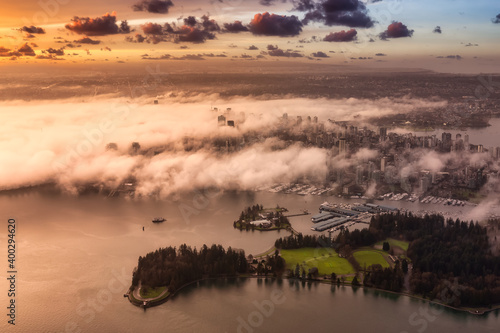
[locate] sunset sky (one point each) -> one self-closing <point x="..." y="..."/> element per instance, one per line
<point x="445" y="35"/>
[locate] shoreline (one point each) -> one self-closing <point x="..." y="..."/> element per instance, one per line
<point x="473" y="311"/>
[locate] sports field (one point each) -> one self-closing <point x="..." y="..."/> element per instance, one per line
<point x="394" y="242"/>
<point x="366" y="258"/>
<point x="325" y="259"/>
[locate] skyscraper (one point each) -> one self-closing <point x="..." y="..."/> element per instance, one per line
<point x="342" y="146"/>
<point x="383" y="163"/>
<point x="221" y="120"/>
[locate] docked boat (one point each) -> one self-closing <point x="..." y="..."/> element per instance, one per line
<point x="158" y="220"/>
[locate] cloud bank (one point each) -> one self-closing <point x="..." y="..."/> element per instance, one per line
<point x="68" y="142"/>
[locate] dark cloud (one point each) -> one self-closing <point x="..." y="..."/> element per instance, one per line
<point x="275" y="25"/>
<point x="5" y="52"/>
<point x="396" y="30"/>
<point x="190" y="57"/>
<point x="100" y="26"/>
<point x="33" y="30"/>
<point x="152" y="28"/>
<point x="314" y="15"/>
<point x="208" y="24"/>
<point x="154" y="39"/>
<point x="26" y="50"/>
<point x="457" y="57"/>
<point x="170" y="57"/>
<point x="153" y="6"/>
<point x="29" y="36"/>
<point x="496" y="20"/>
<point x="354" y="19"/>
<point x="48" y="57"/>
<point x="194" y="31"/>
<point x="437" y="30"/>
<point x="211" y="55"/>
<point x="87" y="40"/>
<point x="61" y="40"/>
<point x="341" y="36"/>
<point x="190" y="21"/>
<point x="351" y="13"/>
<point x="155" y="33"/>
<point x="124" y="27"/>
<point x="313" y="39"/>
<point x="162" y="57"/>
<point x="381" y="54"/>
<point x="246" y="56"/>
<point x="470" y="44"/>
<point x="331" y="6"/>
<point x="303" y="5"/>
<point x="193" y="35"/>
<point x="236" y="26"/>
<point x="138" y="38"/>
<point x="320" y="54"/>
<point x="274" y="51"/>
<point x="252" y="48"/>
<point x="57" y="52"/>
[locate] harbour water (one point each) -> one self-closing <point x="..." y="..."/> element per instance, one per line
<point x="486" y="136"/>
<point x="76" y="255"/>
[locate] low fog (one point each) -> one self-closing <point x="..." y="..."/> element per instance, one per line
<point x="64" y="142"/>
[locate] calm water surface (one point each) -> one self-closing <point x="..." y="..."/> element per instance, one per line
<point x="75" y="258"/>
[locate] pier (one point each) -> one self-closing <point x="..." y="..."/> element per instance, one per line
<point x="298" y="214"/>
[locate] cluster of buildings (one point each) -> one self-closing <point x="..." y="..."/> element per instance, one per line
<point x="394" y="164"/>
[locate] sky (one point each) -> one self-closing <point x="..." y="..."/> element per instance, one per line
<point x="445" y="35"/>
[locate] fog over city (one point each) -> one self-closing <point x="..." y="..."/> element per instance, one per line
<point x="64" y="142"/>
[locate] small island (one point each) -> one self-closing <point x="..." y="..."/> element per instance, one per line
<point x="257" y="217"/>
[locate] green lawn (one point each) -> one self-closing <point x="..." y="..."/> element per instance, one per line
<point x="326" y="260"/>
<point x="366" y="258"/>
<point x="395" y="242"/>
<point x="151" y="292"/>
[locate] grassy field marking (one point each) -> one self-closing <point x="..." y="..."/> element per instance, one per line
<point x="152" y="292"/>
<point x="366" y="258"/>
<point x="394" y="242"/>
<point x="326" y="260"/>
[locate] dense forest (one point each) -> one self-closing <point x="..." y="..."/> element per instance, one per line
<point x="174" y="268"/>
<point x="451" y="259"/>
